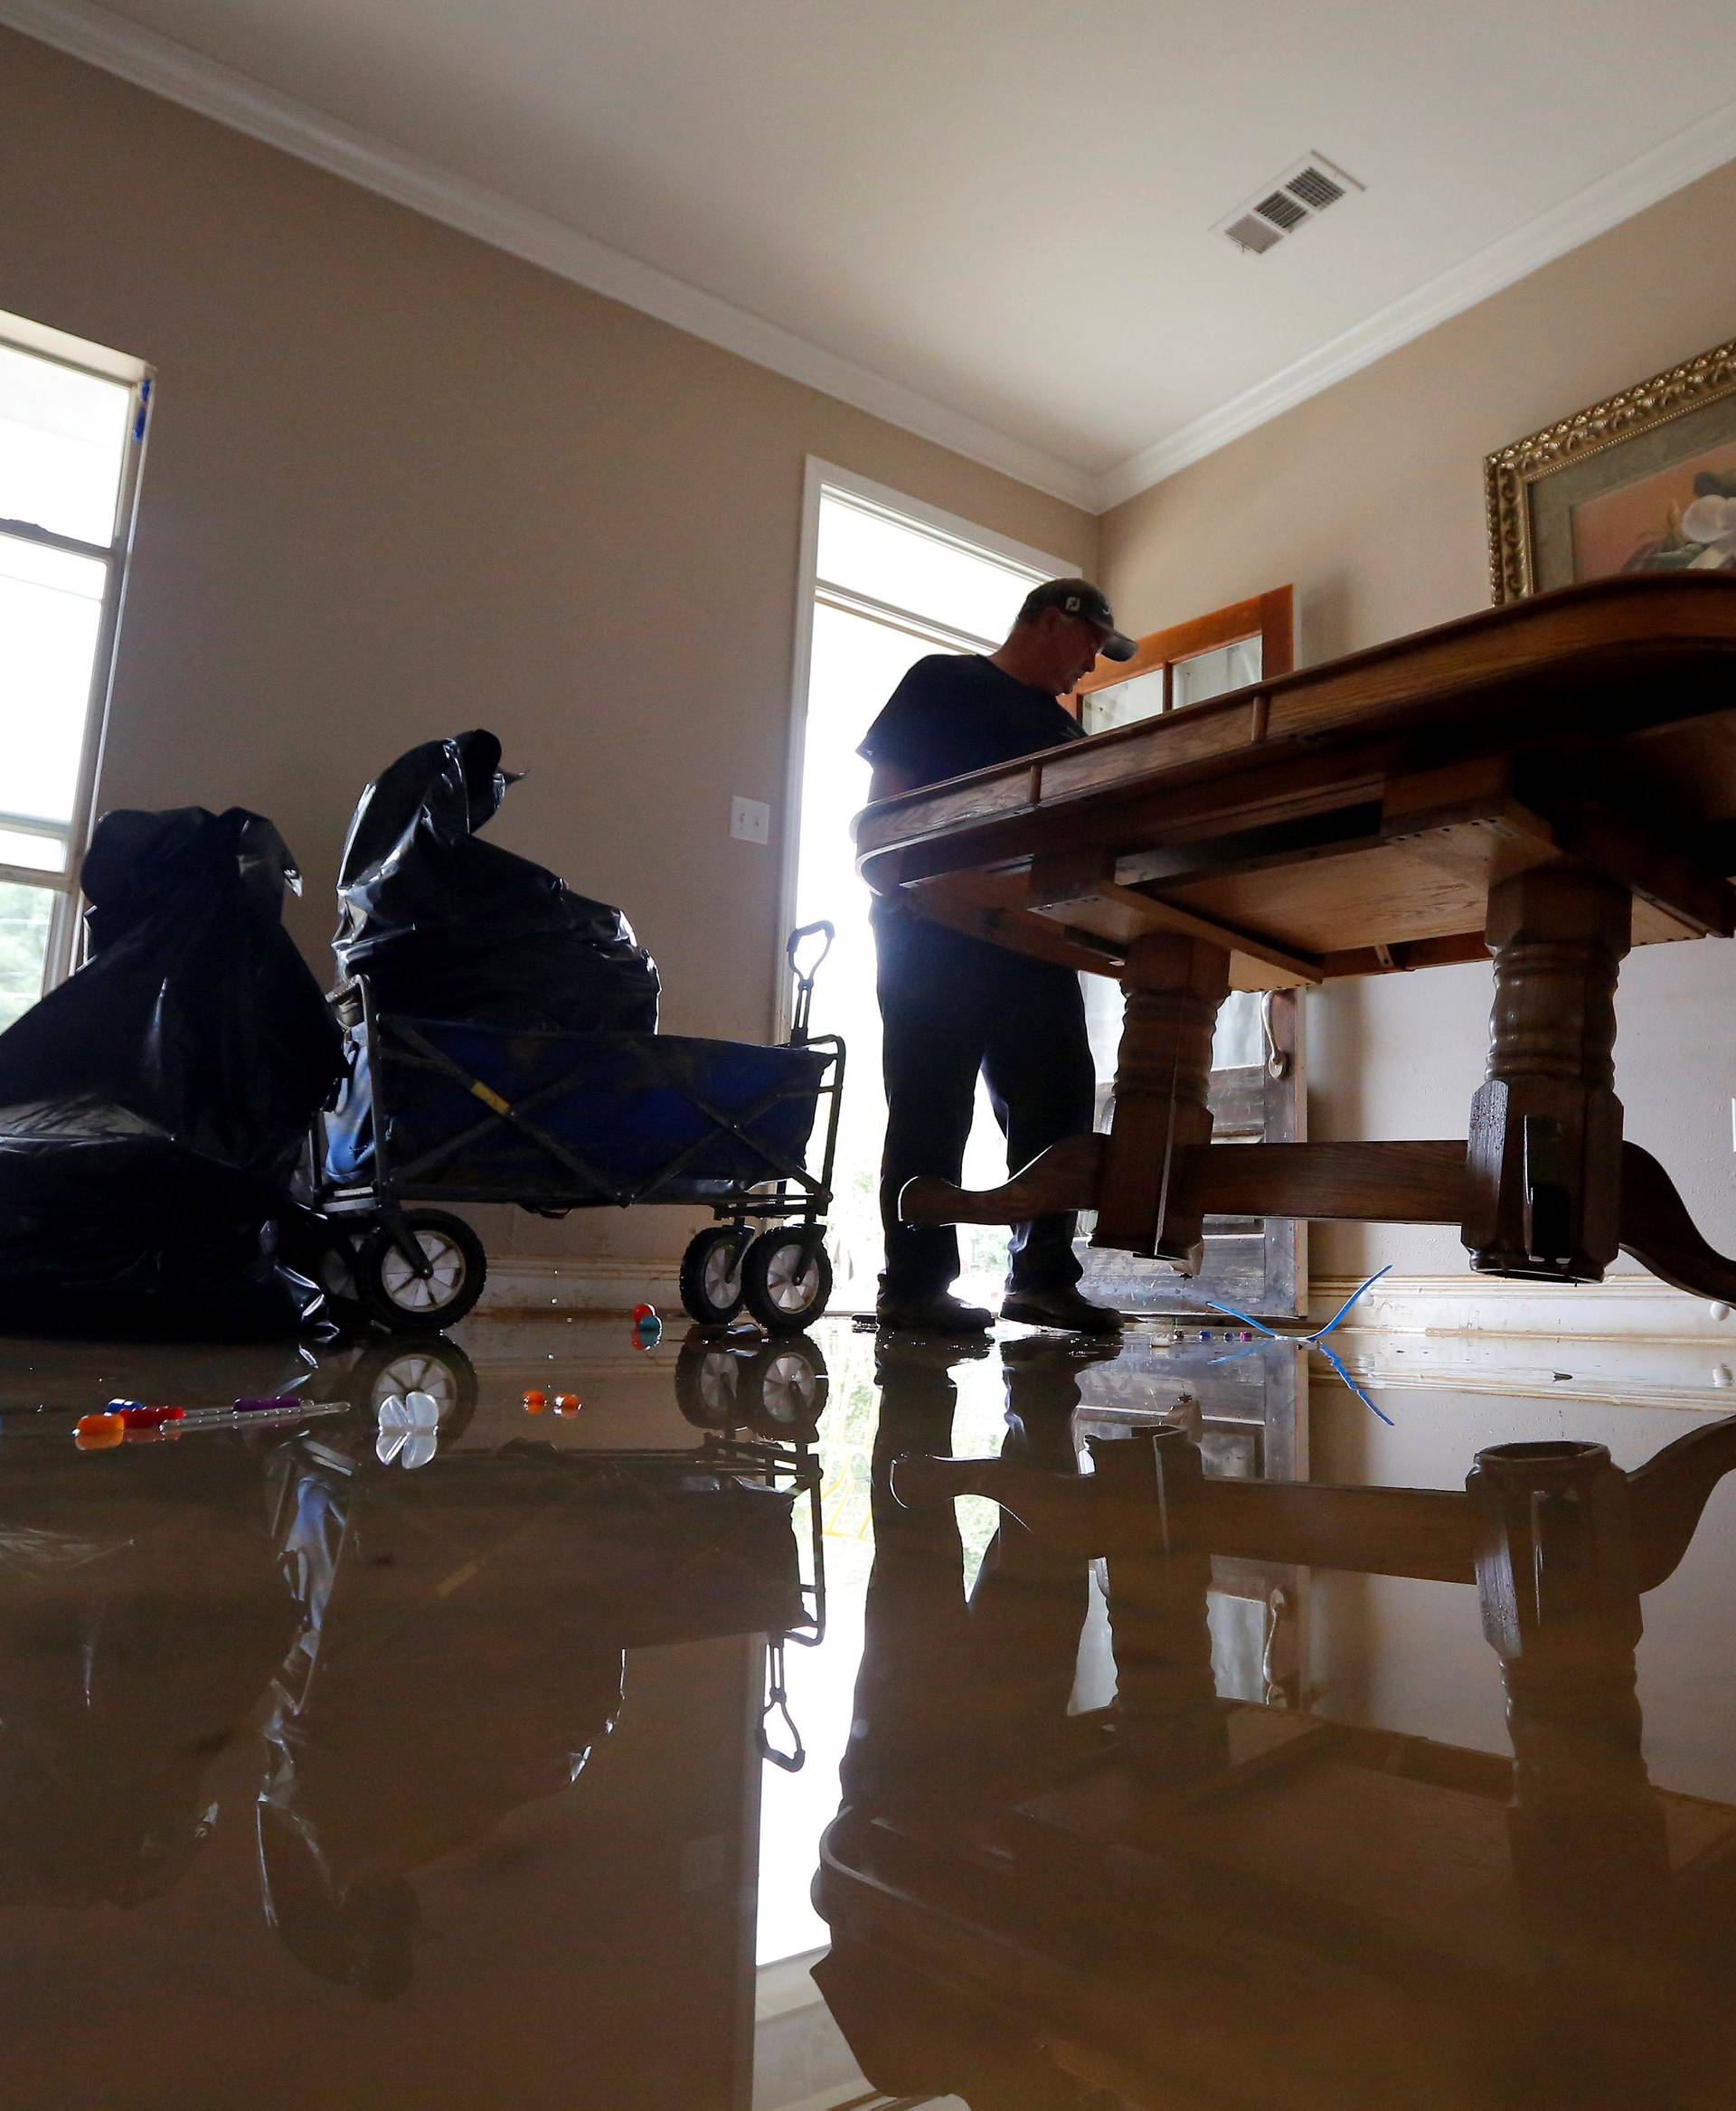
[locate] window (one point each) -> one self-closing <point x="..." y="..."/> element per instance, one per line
<point x="72" y="436"/>
<point x="1192" y="661"/>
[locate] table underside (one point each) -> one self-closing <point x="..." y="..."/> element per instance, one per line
<point x="1547" y="785"/>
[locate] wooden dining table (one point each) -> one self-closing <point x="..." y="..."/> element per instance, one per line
<point x="1545" y="784"/>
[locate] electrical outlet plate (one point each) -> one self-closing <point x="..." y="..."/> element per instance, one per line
<point x="750" y="820"/>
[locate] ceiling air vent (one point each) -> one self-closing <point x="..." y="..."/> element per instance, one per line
<point x="1285" y="206"/>
<point x="1250" y="232"/>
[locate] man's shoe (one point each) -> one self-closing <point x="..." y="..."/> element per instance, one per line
<point x="939" y="1313"/>
<point x="1061" y="1307"/>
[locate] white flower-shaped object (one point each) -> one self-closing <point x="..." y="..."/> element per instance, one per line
<point x="408" y="1430"/>
<point x="1712" y="521"/>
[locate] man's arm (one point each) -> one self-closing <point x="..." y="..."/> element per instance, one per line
<point x="888" y="779"/>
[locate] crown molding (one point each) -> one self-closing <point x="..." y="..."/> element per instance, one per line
<point x="1689" y="155"/>
<point x="184" y="76"/>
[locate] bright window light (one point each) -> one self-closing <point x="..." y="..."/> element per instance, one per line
<point x="62" y="440"/>
<point x="51" y="618"/>
<point x="71" y="432"/>
<point x="866" y="551"/>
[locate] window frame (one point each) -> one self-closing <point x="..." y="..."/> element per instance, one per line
<point x="42" y="341"/>
<point x="1269" y="616"/>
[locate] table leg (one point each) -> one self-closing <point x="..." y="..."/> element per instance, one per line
<point x="1658" y="1232"/>
<point x="1173" y="1729"/>
<point x="1544" y="1163"/>
<point x="1560" y="1591"/>
<point x="1175" y="988"/>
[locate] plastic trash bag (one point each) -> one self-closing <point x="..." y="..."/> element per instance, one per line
<point x="117" y="1235"/>
<point x="195" y="1014"/>
<point x="153" y="1106"/>
<point x="447" y="927"/>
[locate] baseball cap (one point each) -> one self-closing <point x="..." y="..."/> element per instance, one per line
<point x="1081" y="598"/>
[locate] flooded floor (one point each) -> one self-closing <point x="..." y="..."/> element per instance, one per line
<point x="690" y="1740"/>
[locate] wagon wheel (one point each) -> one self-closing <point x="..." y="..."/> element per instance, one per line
<point x="432" y="1292"/>
<point x="710" y="1273"/>
<point x="713" y="1388"/>
<point x="787" y="1278"/>
<point x="335" y="1270"/>
<point x="442" y="1370"/>
<point x="791" y="1381"/>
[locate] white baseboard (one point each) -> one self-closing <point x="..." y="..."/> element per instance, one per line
<point x="1630" y="1340"/>
<point x="1625" y="1308"/>
<point x="520" y="1283"/>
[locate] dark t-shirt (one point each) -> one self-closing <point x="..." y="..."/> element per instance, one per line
<point x="956" y="712"/>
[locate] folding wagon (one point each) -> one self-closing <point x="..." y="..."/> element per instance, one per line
<point x="437" y="1111"/>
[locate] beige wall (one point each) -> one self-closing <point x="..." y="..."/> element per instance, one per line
<point x="1369" y="497"/>
<point x="399" y="484"/>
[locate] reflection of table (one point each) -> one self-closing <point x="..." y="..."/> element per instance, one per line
<point x="1218" y="1904"/>
<point x="1434" y="1534"/>
<point x="1549" y="782"/>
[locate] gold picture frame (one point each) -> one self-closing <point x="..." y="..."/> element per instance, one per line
<point x="1563" y="502"/>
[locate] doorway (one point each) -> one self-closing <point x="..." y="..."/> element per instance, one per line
<point x="886" y="582"/>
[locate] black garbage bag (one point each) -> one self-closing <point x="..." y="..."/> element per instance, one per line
<point x="153" y="1106"/>
<point x="450" y="927"/>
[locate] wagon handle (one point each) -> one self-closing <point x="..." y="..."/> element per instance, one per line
<point x="777" y="1702"/>
<point x="804" y="975"/>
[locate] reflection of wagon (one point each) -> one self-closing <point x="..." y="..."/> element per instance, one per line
<point x="437" y="1111"/>
<point x="725" y="1383"/>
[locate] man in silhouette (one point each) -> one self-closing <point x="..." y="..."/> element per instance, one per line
<point x="952" y="1007"/>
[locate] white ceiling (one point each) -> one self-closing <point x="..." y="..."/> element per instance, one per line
<point x="990" y="221"/>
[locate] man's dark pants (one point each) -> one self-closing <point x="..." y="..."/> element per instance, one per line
<point x="950" y="1008"/>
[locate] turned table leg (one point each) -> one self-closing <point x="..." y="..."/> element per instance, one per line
<point x="1173" y="1729"/>
<point x="1557" y="1577"/>
<point x="1175" y="987"/>
<point x="1544" y="1165"/>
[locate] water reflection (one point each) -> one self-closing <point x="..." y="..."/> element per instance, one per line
<point x="412" y="1598"/>
<point x="138" y="1615"/>
<point x="961" y="1701"/>
<point x="346" y="1683"/>
<point x="1185" y="1898"/>
<point x="1150" y="1770"/>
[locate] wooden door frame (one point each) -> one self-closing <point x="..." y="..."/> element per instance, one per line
<point x="1269" y="616"/>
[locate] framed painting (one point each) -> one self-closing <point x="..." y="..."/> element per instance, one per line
<point x="1644" y="481"/>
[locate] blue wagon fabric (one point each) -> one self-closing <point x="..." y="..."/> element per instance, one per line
<point x="631" y="1103"/>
